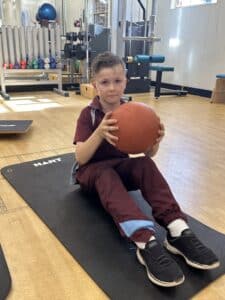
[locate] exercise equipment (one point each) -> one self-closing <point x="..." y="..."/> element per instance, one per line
<point x="22" y="35"/>
<point x="138" y="127"/>
<point x="75" y="47"/>
<point x="134" y="40"/>
<point x="4" y="47"/>
<point x="158" y="83"/>
<point x="90" y="235"/>
<point x="16" y="47"/>
<point x="41" y="43"/>
<point x="14" y="126"/>
<point x="52" y="43"/>
<point x="149" y="58"/>
<point x="138" y="68"/>
<point x="46" y="12"/>
<point x="22" y="52"/>
<point x="16" y="66"/>
<point x="23" y="64"/>
<point x="138" y="72"/>
<point x="5" y="282"/>
<point x="35" y="44"/>
<point x="41" y="63"/>
<point x="52" y="63"/>
<point x="131" y="37"/>
<point x="11" y="45"/>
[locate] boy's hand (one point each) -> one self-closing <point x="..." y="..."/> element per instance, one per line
<point x="161" y="133"/>
<point x="106" y="127"/>
<point x="152" y="151"/>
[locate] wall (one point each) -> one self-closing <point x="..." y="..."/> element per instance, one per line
<point x="11" y="12"/>
<point x="73" y="11"/>
<point x="200" y="52"/>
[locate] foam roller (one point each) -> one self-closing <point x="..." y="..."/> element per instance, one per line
<point x="149" y="58"/>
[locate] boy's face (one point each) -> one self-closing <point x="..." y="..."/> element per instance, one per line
<point x="110" y="84"/>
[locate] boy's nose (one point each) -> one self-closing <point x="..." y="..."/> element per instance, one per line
<point x="111" y="86"/>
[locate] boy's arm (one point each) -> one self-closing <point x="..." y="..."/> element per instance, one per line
<point x="85" y="150"/>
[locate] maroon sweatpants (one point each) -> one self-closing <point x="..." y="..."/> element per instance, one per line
<point x="112" y="179"/>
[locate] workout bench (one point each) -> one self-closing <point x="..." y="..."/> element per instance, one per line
<point x="158" y="92"/>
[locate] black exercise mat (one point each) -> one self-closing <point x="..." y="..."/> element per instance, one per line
<point x="5" y="279"/>
<point x="90" y="235"/>
<point x="14" y="126"/>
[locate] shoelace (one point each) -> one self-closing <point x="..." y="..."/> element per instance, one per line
<point x="161" y="257"/>
<point x="198" y="245"/>
<point x="163" y="260"/>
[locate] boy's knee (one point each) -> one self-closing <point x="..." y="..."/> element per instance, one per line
<point x="104" y="172"/>
<point x="145" y="161"/>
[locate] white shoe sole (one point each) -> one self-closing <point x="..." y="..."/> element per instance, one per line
<point x="193" y="264"/>
<point x="153" y="279"/>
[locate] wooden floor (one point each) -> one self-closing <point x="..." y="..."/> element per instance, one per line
<point x="191" y="157"/>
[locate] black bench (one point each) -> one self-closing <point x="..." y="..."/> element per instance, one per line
<point x="158" y="92"/>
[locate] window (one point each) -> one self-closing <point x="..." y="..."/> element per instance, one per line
<point x="185" y="3"/>
<point x="101" y="8"/>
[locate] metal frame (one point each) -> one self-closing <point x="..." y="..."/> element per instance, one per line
<point x="118" y="25"/>
<point x="18" y="77"/>
<point x="14" y="77"/>
<point x="158" y="88"/>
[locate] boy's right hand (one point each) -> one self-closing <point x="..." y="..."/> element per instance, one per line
<point x="106" y="127"/>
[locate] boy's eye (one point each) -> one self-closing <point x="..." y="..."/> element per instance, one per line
<point x="104" y="82"/>
<point x="118" y="80"/>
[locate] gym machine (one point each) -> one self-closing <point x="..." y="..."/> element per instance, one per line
<point x="134" y="41"/>
<point x="144" y="63"/>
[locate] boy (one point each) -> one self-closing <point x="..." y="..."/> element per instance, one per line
<point x="111" y="173"/>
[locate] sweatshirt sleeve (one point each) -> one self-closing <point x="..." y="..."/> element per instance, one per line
<point x="84" y="126"/>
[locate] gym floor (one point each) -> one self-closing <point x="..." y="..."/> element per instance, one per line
<point x="191" y="158"/>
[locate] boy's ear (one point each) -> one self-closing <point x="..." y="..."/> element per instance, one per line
<point x="93" y="82"/>
<point x="126" y="80"/>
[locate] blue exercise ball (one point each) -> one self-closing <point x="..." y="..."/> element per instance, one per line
<point x="47" y="12"/>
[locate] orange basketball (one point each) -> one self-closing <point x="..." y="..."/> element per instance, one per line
<point x="138" y="127"/>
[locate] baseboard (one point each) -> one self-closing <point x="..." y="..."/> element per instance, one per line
<point x="191" y="90"/>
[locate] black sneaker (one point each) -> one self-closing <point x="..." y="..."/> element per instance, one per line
<point x="191" y="248"/>
<point x="161" y="268"/>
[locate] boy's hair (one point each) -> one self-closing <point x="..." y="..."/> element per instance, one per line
<point x="105" y="60"/>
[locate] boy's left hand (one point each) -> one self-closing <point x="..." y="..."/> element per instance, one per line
<point x="161" y="133"/>
<point x="152" y="151"/>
